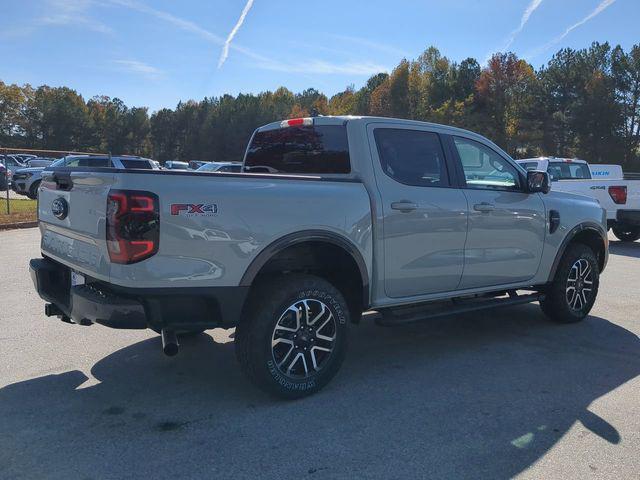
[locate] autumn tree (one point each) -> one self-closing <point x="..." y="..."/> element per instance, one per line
<point x="505" y="94"/>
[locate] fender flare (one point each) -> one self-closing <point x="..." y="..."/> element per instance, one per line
<point x="295" y="238"/>
<point x="591" y="226"/>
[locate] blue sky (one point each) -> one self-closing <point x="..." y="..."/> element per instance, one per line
<point x="155" y="53"/>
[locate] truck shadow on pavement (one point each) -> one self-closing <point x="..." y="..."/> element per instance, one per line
<point x="627" y="249"/>
<point x="475" y="396"/>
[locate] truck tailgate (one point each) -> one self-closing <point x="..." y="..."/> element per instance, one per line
<point x="72" y="214"/>
<point x="633" y="194"/>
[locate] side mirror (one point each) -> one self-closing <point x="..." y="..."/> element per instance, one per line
<point x="538" y="181"/>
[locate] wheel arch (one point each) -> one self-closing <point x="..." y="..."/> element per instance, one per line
<point x="312" y="239"/>
<point x="587" y="233"/>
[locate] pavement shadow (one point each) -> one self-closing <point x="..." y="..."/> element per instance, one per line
<point x="627" y="249"/>
<point x="474" y="396"/>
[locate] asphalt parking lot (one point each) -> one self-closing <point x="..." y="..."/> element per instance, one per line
<point x="491" y="395"/>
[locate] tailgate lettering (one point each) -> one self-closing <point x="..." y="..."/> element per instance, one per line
<point x="68" y="248"/>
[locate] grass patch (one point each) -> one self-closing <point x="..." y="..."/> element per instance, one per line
<point x="21" y="210"/>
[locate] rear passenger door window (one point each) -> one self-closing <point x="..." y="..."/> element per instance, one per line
<point x="484" y="168"/>
<point x="412" y="157"/>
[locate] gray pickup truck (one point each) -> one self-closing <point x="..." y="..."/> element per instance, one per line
<point x="331" y="217"/>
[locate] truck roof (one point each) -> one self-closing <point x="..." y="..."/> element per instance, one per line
<point x="342" y="119"/>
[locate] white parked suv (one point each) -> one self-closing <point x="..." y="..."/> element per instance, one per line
<point x="606" y="183"/>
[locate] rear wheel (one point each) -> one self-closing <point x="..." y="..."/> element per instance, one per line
<point x="33" y="191"/>
<point x="626" y="233"/>
<point x="293" y="338"/>
<point x="572" y="293"/>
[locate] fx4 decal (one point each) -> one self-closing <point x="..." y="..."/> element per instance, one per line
<point x="191" y="209"/>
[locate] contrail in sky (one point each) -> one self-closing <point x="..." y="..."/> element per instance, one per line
<point x="597" y="11"/>
<point x="227" y="43"/>
<point x="532" y="7"/>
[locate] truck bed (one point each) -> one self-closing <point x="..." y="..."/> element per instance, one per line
<point x="235" y="218"/>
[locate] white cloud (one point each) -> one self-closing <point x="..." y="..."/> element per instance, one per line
<point x="603" y="5"/>
<point x="318" y="67"/>
<point x="71" y="13"/>
<point x="234" y="30"/>
<point x="178" y="22"/>
<point x="137" y="67"/>
<point x="185" y="25"/>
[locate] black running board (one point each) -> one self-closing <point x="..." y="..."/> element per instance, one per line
<point x="427" y="311"/>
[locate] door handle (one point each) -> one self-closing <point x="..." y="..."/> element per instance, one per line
<point x="404" y="206"/>
<point x="484" y="207"/>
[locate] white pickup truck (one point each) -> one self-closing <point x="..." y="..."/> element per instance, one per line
<point x="619" y="197"/>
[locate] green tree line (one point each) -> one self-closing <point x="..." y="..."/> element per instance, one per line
<point x="582" y="103"/>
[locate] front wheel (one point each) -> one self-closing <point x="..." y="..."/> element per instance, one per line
<point x="572" y="293"/>
<point x="626" y="233"/>
<point x="293" y="338"/>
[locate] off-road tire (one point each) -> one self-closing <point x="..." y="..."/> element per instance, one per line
<point x="267" y="309"/>
<point x="33" y="191"/>
<point x="626" y="233"/>
<point x="559" y="305"/>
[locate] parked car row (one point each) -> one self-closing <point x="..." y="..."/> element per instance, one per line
<point x="232" y="167"/>
<point x="5" y="178"/>
<point x="25" y="180"/>
<point x="199" y="166"/>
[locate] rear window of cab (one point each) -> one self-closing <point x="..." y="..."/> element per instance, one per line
<point x="309" y="149"/>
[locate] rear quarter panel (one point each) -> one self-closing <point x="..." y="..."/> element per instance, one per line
<point x="244" y="216"/>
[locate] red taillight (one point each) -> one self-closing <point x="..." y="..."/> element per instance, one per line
<point x="618" y="194"/>
<point x="133" y="225"/>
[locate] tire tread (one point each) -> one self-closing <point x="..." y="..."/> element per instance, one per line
<point x="554" y="305"/>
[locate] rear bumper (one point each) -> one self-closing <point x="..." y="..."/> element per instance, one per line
<point x="84" y="304"/>
<point x="628" y="217"/>
<point x="127" y="308"/>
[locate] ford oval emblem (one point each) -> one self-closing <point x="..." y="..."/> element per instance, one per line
<point x="60" y="208"/>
